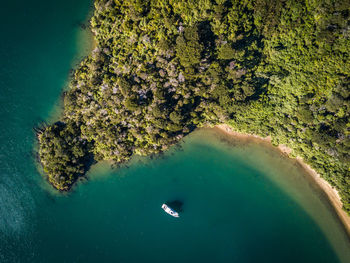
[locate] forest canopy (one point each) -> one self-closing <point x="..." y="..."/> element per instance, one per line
<point x="162" y="68"/>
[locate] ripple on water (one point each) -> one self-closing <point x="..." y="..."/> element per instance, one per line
<point x="16" y="205"/>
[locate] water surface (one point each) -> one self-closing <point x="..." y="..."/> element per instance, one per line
<point x="242" y="202"/>
<point x="37" y="50"/>
<point x="234" y="210"/>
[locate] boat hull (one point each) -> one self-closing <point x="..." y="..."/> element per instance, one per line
<point x="170" y="211"/>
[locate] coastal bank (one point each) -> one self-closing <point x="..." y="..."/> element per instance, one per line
<point x="331" y="193"/>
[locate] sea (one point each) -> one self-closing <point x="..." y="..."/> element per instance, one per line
<point x="239" y="200"/>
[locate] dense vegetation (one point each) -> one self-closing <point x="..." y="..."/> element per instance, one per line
<point x="162" y="68"/>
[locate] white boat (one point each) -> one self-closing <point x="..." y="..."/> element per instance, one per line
<point x="170" y="211"/>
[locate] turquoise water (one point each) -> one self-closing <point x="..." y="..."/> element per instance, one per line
<point x="242" y="202"/>
<point x="37" y="49"/>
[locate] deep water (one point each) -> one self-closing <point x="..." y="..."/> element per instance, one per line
<point x="242" y="202"/>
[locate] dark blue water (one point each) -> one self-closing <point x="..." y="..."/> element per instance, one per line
<point x="241" y="202"/>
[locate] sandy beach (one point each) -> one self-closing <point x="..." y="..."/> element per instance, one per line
<point x="331" y="193"/>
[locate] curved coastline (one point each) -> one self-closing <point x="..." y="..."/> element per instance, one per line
<point x="330" y="192"/>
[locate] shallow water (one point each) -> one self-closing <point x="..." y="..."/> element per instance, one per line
<point x="233" y="210"/>
<point x="242" y="202"/>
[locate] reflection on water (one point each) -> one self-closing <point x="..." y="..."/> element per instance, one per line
<point x="240" y="206"/>
<point x="36" y="49"/>
<point x="16" y="204"/>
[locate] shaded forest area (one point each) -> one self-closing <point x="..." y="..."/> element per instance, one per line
<point x="162" y="68"/>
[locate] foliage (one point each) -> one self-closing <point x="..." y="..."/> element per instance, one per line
<point x="306" y="106"/>
<point x="63" y="154"/>
<point x="161" y="68"/>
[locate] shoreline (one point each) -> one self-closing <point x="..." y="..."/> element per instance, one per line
<point x="330" y="192"/>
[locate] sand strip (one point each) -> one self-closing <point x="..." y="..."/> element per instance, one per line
<point x="330" y="192"/>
